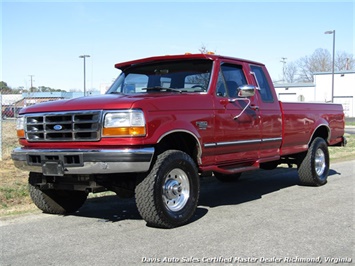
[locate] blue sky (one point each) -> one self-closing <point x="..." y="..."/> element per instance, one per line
<point x="45" y="38"/>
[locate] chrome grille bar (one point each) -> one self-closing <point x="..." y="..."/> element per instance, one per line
<point x="63" y="126"/>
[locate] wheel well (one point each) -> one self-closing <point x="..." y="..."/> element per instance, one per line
<point x="179" y="141"/>
<point x="323" y="132"/>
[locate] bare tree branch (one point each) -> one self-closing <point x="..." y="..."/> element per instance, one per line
<point x="344" y="61"/>
<point x="319" y="61"/>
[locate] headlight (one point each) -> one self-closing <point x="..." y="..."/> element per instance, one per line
<point x="124" y="124"/>
<point x="20" y="126"/>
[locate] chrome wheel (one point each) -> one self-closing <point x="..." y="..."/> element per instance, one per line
<point x="167" y="197"/>
<point x="176" y="190"/>
<point x="314" y="166"/>
<point x="319" y="162"/>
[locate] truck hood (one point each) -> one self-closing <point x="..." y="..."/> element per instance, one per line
<point x="102" y="102"/>
<point x="147" y="101"/>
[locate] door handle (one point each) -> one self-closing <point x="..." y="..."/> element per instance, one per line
<point x="254" y="107"/>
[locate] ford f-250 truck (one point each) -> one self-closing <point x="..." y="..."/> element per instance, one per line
<point x="162" y="124"/>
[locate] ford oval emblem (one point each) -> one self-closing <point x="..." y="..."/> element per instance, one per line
<point x="57" y="127"/>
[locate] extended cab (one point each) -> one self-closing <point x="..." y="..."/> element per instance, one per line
<point x="162" y="124"/>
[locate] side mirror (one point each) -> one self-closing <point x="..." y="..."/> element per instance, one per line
<point x="246" y="91"/>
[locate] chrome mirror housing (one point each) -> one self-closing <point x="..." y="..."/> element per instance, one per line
<point x="246" y="91"/>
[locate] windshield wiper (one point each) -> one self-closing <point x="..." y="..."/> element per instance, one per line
<point x="159" y="88"/>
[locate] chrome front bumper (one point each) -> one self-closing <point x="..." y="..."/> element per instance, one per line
<point x="83" y="161"/>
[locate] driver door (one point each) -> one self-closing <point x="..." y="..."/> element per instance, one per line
<point x="237" y="120"/>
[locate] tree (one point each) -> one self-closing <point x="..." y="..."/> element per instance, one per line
<point x="44" y="89"/>
<point x="321" y="61"/>
<point x="203" y="49"/>
<point x="4" y="88"/>
<point x="344" y="61"/>
<point x="290" y="72"/>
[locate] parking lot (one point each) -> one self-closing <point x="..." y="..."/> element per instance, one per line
<point x="265" y="218"/>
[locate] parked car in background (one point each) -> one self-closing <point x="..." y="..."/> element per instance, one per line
<point x="10" y="112"/>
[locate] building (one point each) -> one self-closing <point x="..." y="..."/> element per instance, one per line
<point x="321" y="90"/>
<point x="11" y="104"/>
<point x="295" y="92"/>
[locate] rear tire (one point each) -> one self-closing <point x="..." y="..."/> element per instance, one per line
<point x="314" y="168"/>
<point x="168" y="196"/>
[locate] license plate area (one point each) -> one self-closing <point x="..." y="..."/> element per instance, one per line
<point x="53" y="168"/>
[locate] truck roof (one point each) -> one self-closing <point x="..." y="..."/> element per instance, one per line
<point x="213" y="57"/>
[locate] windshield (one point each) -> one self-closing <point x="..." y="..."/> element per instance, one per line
<point x="181" y="76"/>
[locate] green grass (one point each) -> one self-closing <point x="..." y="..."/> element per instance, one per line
<point x="14" y="193"/>
<point x="343" y="153"/>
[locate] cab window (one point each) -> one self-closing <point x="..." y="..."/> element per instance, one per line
<point x="230" y="78"/>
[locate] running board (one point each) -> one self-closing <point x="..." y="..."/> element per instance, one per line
<point x="236" y="170"/>
<point x="231" y="170"/>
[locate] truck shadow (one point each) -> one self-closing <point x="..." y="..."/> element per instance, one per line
<point x="251" y="186"/>
<point x="109" y="208"/>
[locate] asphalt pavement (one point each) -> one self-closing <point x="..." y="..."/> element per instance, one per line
<point x="266" y="218"/>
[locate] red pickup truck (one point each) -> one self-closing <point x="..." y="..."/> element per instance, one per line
<point x="163" y="123"/>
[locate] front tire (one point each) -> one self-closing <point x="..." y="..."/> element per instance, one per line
<point x="314" y="168"/>
<point x="57" y="201"/>
<point x="168" y="196"/>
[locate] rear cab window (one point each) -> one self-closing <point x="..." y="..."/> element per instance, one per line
<point x="262" y="83"/>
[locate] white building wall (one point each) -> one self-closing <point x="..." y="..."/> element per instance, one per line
<point x="323" y="87"/>
<point x="344" y="89"/>
<point x="321" y="90"/>
<point x="291" y="93"/>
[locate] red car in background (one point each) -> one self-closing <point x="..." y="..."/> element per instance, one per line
<point x="10" y="112"/>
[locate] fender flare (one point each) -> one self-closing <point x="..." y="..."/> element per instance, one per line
<point x="184" y="128"/>
<point x="322" y="123"/>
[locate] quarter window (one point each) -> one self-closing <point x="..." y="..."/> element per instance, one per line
<point x="263" y="84"/>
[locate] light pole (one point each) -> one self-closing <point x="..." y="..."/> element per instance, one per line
<point x="84" y="56"/>
<point x="332" y="32"/>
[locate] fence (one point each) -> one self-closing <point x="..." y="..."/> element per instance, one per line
<point x="9" y="111"/>
<point x="11" y="105"/>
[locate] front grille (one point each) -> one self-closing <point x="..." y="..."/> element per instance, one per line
<point x="72" y="126"/>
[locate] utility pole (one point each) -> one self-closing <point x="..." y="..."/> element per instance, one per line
<point x="283" y="61"/>
<point x="31" y="76"/>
